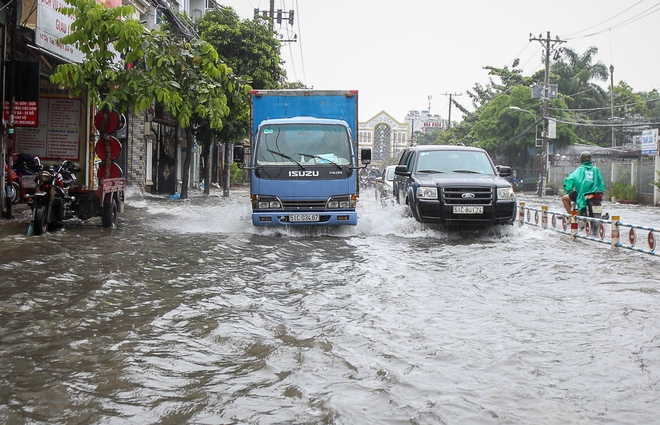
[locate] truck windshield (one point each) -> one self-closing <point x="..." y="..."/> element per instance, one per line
<point x="447" y="161"/>
<point x="303" y="144"/>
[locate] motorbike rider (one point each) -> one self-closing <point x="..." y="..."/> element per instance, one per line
<point x="585" y="179"/>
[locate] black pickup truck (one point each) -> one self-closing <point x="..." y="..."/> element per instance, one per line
<point x="455" y="186"/>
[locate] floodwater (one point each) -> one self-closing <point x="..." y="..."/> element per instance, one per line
<point x="187" y="314"/>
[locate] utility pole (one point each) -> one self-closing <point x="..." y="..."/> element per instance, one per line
<point x="613" y="130"/>
<point x="273" y="16"/>
<point x="548" y="45"/>
<point x="450" y="96"/>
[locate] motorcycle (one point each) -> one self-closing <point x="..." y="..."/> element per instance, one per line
<point x="13" y="189"/>
<point x="51" y="201"/>
<point x="594" y="209"/>
<point x="364" y="181"/>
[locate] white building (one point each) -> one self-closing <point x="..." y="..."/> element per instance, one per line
<point x="384" y="135"/>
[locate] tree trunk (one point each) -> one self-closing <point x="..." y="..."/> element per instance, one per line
<point x="227" y="163"/>
<point x="207" y="167"/>
<point x="185" y="178"/>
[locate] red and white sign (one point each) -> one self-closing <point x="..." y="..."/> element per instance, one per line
<point x="651" y="240"/>
<point x="25" y="113"/>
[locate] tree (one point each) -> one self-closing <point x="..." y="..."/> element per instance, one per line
<point x="252" y="52"/>
<point x="575" y="75"/>
<point x="191" y="82"/>
<point x="186" y="77"/>
<point x="104" y="35"/>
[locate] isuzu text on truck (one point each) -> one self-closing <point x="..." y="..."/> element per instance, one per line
<point x="304" y="157"/>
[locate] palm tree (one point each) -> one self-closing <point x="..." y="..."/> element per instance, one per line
<point x="575" y="75"/>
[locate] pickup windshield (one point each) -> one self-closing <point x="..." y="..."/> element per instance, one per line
<point x="446" y="161"/>
<point x="303" y="144"/>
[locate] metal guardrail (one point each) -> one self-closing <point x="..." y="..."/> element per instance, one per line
<point x="593" y="229"/>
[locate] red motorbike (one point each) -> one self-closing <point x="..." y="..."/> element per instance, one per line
<point x="13" y="189"/>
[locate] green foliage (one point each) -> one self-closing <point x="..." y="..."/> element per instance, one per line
<point x="657" y="183"/>
<point x="237" y="175"/>
<point x="623" y="191"/>
<point x="249" y="47"/>
<point x="103" y="35"/>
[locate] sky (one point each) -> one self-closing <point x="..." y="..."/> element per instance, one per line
<point x="398" y="54"/>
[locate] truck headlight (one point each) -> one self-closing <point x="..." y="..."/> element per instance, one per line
<point x="266" y="203"/>
<point x="341" y="203"/>
<point x="427" y="192"/>
<point x="505" y="193"/>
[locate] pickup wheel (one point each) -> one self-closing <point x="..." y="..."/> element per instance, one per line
<point x="413" y="211"/>
<point x="109" y="218"/>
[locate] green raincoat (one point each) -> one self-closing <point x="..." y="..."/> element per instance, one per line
<point x="585" y="179"/>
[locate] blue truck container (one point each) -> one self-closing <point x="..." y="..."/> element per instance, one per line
<point x="304" y="157"/>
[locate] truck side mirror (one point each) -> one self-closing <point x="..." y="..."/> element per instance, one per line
<point x="365" y="156"/>
<point x="239" y="154"/>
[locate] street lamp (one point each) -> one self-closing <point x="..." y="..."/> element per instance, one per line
<point x="544" y="153"/>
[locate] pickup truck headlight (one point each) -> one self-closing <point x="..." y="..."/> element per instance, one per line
<point x="427" y="192"/>
<point x="505" y="193"/>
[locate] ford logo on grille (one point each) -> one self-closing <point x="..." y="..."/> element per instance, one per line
<point x="468" y="195"/>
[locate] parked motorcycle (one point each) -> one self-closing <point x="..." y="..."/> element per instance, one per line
<point x="14" y="188"/>
<point x="50" y="202"/>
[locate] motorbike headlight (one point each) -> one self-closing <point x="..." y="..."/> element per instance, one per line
<point x="505" y="193"/>
<point x="44" y="177"/>
<point x="427" y="192"/>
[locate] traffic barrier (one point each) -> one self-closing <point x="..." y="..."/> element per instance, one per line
<point x="592" y="229"/>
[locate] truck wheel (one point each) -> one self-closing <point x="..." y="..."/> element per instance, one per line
<point x="40" y="224"/>
<point x="109" y="213"/>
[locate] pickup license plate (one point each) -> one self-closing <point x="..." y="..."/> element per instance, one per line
<point x="468" y="210"/>
<point x="303" y="217"/>
<point x="597" y="209"/>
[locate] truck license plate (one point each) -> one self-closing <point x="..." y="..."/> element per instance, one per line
<point x="303" y="217"/>
<point x="468" y="210"/>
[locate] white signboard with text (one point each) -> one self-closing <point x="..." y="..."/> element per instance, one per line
<point x="58" y="135"/>
<point x="650" y="141"/>
<point x="53" y="25"/>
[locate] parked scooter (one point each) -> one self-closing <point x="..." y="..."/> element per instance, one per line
<point x="51" y="200"/>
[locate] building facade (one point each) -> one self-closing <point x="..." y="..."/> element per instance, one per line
<point x="384" y="135"/>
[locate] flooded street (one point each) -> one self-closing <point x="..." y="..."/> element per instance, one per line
<point x="187" y="314"/>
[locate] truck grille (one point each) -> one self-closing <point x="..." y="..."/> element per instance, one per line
<point x="467" y="195"/>
<point x="303" y="205"/>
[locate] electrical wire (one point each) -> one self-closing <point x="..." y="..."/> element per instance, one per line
<point x="635" y="18"/>
<point x="605" y="21"/>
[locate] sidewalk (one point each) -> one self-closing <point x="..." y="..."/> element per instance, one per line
<point x="19" y="212"/>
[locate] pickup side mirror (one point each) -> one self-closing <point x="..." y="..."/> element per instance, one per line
<point x="401" y="170"/>
<point x="365" y="156"/>
<point x="239" y="154"/>
<point x="504" y="171"/>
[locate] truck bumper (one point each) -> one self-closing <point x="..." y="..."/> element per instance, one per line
<point x="280" y="218"/>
